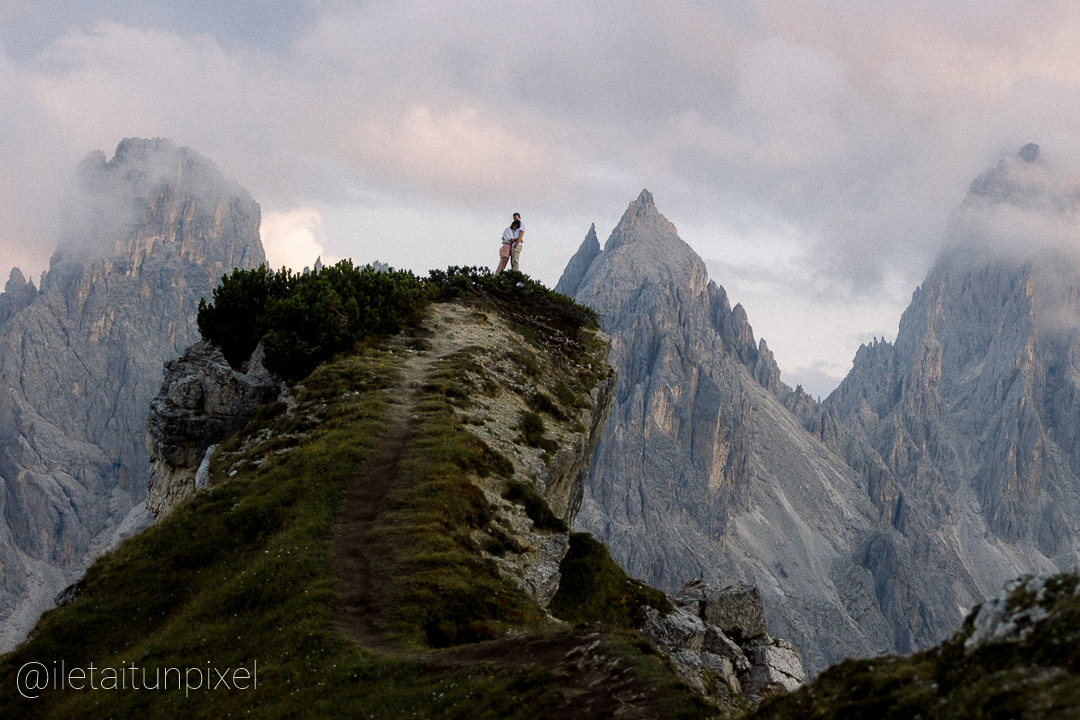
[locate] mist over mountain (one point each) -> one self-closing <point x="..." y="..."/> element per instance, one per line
<point x="966" y="428"/>
<point x="148" y="234"/>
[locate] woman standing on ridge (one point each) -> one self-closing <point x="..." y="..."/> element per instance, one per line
<point x="509" y="239"/>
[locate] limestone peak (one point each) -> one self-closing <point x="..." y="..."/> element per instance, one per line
<point x="641" y="221"/>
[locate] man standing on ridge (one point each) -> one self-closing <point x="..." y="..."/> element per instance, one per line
<point x="515" y="251"/>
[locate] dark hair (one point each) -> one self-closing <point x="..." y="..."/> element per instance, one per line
<point x="517" y="215"/>
<point x="515" y="225"/>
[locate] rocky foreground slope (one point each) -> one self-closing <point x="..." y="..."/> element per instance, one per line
<point x="1016" y="656"/>
<point x="150" y="233"/>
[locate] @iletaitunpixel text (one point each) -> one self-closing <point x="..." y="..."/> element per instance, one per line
<point x="35" y="677"/>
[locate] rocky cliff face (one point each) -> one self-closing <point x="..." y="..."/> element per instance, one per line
<point x="944" y="465"/>
<point x="81" y="357"/>
<point x="702" y="471"/>
<point x="202" y="401"/>
<point x="965" y="429"/>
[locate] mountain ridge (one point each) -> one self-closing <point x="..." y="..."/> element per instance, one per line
<point x="953" y="447"/>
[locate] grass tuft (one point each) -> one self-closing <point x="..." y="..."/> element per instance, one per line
<point x="595" y="589"/>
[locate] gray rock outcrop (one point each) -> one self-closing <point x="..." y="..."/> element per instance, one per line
<point x="202" y="401"/>
<point x="80" y="358"/>
<point x="737" y="649"/>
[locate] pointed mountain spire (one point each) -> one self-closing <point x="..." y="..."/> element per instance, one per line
<point x="579" y="264"/>
<point x="641" y="219"/>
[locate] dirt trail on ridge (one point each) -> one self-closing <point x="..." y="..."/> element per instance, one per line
<point x="361" y="505"/>
<point x="597" y="684"/>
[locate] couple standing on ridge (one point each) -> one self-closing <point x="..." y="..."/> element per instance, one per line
<point x="511" y="244"/>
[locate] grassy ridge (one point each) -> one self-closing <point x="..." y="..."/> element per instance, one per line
<point x="239" y="574"/>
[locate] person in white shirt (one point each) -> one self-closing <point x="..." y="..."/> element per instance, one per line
<point x="515" y="250"/>
<point x="509" y="240"/>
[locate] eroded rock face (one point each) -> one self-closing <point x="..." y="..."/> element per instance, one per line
<point x="202" y="401"/>
<point x="81" y="358"/>
<point x="965" y="429"/>
<point x="504" y="360"/>
<point x="702" y="468"/>
<point x="737" y="610"/>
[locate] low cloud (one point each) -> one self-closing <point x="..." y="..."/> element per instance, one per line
<point x="1025" y="208"/>
<point x="294" y="238"/>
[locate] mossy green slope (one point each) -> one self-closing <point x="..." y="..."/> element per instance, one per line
<point x="241" y="574"/>
<point x="1029" y="670"/>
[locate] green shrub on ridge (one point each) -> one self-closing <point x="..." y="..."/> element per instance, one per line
<point x="303" y="319"/>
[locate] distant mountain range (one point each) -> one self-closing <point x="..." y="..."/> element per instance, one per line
<point x="151" y="232"/>
<point x="945" y="464"/>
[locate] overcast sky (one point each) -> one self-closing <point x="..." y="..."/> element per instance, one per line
<point x="811" y="152"/>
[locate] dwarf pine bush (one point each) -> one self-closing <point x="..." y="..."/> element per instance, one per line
<point x="303" y="319"/>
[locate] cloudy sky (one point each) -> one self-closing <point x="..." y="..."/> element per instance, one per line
<point x="810" y="151"/>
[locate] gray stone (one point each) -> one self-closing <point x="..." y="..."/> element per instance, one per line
<point x="720" y="644"/>
<point x="738" y="610"/>
<point x="202" y="401"/>
<point x="723" y="668"/>
<point x="999" y="620"/>
<point x="780" y="658"/>
<point x="678" y="630"/>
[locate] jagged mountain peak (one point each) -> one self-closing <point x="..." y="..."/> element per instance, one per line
<point x="154" y="199"/>
<point x="148" y="234"/>
<point x="641" y="221"/>
<point x="1027" y="181"/>
<point x="579" y="264"/>
<point x="1029" y="153"/>
<point x="16" y="280"/>
<point x="139" y="166"/>
<point x="647" y="269"/>
<point x="18" y="294"/>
